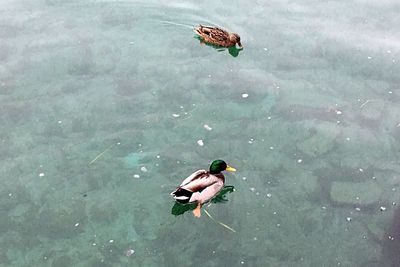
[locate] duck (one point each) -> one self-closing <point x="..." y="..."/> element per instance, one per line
<point x="202" y="185"/>
<point x="217" y="36"/>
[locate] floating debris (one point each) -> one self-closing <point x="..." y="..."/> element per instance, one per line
<point x="111" y="241"/>
<point x="245" y="95"/>
<point x="41" y="174"/>
<point x="129" y="252"/>
<point x="348" y="219"/>
<point x="137" y="176"/>
<point x="101" y="154"/>
<point x="200" y="142"/>
<point x="338" y="112"/>
<point x="382" y="208"/>
<point x="208" y="128"/>
<point x="299" y="161"/>
<point x="366" y="102"/>
<point x="143" y="169"/>
<point x="59" y="122"/>
<point x="176" y="115"/>
<point x="220" y="223"/>
<point x="77" y="224"/>
<point x="269" y="195"/>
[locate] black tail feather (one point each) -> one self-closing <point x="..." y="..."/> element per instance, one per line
<point x="182" y="195"/>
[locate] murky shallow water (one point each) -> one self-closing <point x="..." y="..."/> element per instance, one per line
<point x="103" y="104"/>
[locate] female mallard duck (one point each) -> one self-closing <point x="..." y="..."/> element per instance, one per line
<point x="217" y="36"/>
<point x="202" y="185"/>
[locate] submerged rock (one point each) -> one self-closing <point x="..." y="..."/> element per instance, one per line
<point x="350" y="193"/>
<point x="322" y="139"/>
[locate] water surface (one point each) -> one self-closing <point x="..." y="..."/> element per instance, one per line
<point x="103" y="104"/>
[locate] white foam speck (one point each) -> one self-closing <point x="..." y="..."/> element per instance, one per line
<point x="41" y="174"/>
<point x="299" y="161"/>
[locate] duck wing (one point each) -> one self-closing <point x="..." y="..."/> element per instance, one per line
<point x="214" y="33"/>
<point x="184" y="192"/>
<point x="209" y="187"/>
<point x="194" y="176"/>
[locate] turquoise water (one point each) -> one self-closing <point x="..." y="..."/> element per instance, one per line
<point x="103" y="104"/>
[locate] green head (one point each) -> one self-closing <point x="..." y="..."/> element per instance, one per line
<point x="217" y="166"/>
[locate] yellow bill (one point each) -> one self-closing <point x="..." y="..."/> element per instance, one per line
<point x="230" y="169"/>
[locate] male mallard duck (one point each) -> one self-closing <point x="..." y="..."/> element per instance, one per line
<point x="217" y="36"/>
<point x="202" y="185"/>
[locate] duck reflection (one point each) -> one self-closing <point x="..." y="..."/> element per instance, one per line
<point x="179" y="208"/>
<point x="233" y="50"/>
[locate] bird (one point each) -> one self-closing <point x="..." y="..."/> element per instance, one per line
<point x="217" y="36"/>
<point x="202" y="185"/>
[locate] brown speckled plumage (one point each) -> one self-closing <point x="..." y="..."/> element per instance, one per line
<point x="217" y="36"/>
